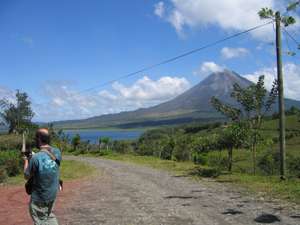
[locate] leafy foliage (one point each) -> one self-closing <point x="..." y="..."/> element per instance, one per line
<point x="17" y="115"/>
<point x="288" y="20"/>
<point x="293" y="6"/>
<point x="10" y="163"/>
<point x="76" y="141"/>
<point x="266" y="13"/>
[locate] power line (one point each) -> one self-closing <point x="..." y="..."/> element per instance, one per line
<point x="172" y="59"/>
<point x="176" y="57"/>
<point x="291" y="37"/>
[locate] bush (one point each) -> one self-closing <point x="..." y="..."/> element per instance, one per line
<point x="208" y="172"/>
<point x="199" y="158"/>
<point x="293" y="165"/>
<point x="218" y="160"/>
<point x="12" y="162"/>
<point x="123" y="146"/>
<point x="9" y="142"/>
<point x="268" y="162"/>
<point x="3" y="174"/>
<point x="105" y="152"/>
<point x="167" y="150"/>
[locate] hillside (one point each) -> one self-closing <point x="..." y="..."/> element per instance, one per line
<point x="191" y="106"/>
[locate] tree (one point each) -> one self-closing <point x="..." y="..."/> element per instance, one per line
<point x="17" y="116"/>
<point x="105" y="141"/>
<point x="233" y="136"/>
<point x="76" y="141"/>
<point x="254" y="104"/>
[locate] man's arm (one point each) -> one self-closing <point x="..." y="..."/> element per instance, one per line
<point x="27" y="168"/>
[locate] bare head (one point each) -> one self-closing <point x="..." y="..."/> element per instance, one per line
<point x="42" y="137"/>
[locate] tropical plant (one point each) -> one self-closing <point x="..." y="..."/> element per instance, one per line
<point x="254" y="103"/>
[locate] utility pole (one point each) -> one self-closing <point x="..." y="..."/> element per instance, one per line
<point x="281" y="96"/>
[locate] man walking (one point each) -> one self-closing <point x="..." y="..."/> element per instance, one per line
<point x="43" y="169"/>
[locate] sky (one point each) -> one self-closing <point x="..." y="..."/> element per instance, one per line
<point x="68" y="55"/>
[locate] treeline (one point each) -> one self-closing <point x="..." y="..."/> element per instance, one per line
<point x="206" y="145"/>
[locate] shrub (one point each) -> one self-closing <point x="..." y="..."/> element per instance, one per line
<point x="3" y="174"/>
<point x="123" y="146"/>
<point x="11" y="162"/>
<point x="218" y="160"/>
<point x="105" y="152"/>
<point x="182" y="151"/>
<point x="9" y="142"/>
<point x="212" y="172"/>
<point x="268" y="162"/>
<point x="167" y="150"/>
<point x="199" y="158"/>
<point x="293" y="165"/>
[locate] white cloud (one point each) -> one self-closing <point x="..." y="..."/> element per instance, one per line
<point x="159" y="9"/>
<point x="226" y="14"/>
<point x="147" y="89"/>
<point x="229" y="53"/>
<point x="66" y="103"/>
<point x="291" y="79"/>
<point x="207" y="68"/>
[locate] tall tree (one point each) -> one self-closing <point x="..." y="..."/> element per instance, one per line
<point x="17" y="116"/>
<point x="253" y="102"/>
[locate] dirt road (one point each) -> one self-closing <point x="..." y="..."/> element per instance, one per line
<point x="126" y="194"/>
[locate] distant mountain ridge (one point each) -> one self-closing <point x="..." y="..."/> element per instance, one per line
<point x="192" y="105"/>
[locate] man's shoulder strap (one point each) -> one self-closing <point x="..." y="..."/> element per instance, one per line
<point x="52" y="156"/>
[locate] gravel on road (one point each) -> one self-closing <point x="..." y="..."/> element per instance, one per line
<point x="128" y="194"/>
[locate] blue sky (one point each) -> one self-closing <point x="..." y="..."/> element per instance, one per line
<point x="55" y="49"/>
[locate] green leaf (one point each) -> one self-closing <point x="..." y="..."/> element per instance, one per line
<point x="266" y="13"/>
<point x="292" y="6"/>
<point x="288" y="20"/>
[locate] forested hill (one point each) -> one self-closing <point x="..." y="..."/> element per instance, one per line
<point x="192" y="105"/>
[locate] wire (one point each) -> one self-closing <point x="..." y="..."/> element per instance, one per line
<point x="176" y="57"/>
<point x="170" y="59"/>
<point x="291" y="37"/>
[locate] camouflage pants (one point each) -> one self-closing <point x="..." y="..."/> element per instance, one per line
<point x="41" y="213"/>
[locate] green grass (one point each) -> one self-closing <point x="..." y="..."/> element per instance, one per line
<point x="70" y="170"/>
<point x="269" y="187"/>
<point x="180" y="168"/>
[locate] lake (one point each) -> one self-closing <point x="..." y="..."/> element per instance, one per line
<point x="93" y="135"/>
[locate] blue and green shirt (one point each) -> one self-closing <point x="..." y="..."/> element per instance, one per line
<point x="45" y="173"/>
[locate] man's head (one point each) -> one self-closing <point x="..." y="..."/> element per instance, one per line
<point x="42" y="137"/>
